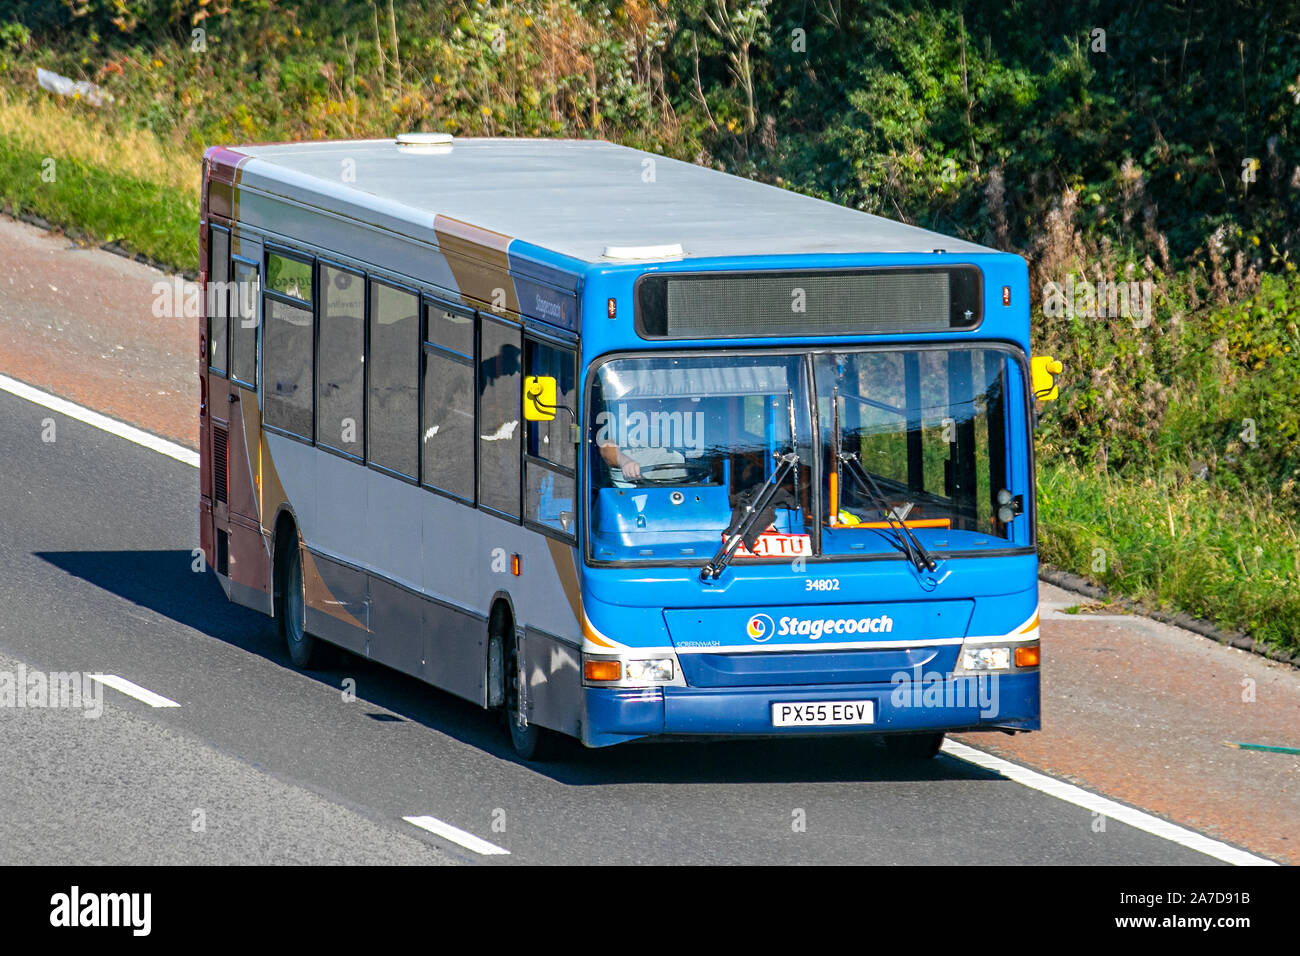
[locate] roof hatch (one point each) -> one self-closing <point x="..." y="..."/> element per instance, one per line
<point x="424" y="142"/>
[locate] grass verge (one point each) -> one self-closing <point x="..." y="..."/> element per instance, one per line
<point x="1233" y="559"/>
<point x="160" y="222"/>
<point x="100" y="177"/>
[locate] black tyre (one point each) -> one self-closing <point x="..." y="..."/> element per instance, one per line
<point x="913" y="746"/>
<point x="304" y="650"/>
<point x="530" y="741"/>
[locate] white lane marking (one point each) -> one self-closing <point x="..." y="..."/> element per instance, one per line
<point x="456" y="835"/>
<point x="134" y="690"/>
<point x="1116" y="811"/>
<point x="102" y="422"/>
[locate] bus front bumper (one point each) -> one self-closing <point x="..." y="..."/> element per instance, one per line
<point x="1005" y="701"/>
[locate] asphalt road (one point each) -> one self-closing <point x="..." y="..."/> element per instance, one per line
<point x="264" y="764"/>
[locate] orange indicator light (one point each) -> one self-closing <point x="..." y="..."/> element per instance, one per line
<point x="602" y="670"/>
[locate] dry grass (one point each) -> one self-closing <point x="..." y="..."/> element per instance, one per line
<point x="42" y="125"/>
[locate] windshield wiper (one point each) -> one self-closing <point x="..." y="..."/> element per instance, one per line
<point x="906" y="538"/>
<point x="759" y="502"/>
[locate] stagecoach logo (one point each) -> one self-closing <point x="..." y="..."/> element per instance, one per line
<point x="760" y="628"/>
<point x="547" y="309"/>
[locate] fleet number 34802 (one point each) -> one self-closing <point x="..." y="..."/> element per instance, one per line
<point x="822" y="584"/>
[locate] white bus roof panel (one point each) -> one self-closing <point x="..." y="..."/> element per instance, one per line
<point x="578" y="198"/>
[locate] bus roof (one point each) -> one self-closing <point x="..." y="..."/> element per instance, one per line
<point x="577" y="198"/>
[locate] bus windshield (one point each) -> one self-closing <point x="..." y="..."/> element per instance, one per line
<point x="676" y="441"/>
<point x="914" y="444"/>
<point x="911" y="454"/>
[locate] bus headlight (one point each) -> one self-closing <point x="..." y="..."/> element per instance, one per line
<point x="985" y="658"/>
<point x="658" y="671"/>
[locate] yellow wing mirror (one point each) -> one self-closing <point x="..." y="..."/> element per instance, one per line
<point x="540" y="398"/>
<point x="1045" y="369"/>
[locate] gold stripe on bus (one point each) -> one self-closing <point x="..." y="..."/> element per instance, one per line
<point x="479" y="261"/>
<point x="562" y="558"/>
<point x="252" y="426"/>
<point x="318" y="595"/>
<point x="590" y="633"/>
<point x="271" y="490"/>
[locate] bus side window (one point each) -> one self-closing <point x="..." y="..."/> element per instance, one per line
<point x="393" y="391"/>
<point x="340" y="387"/>
<point x="218" y="301"/>
<point x="448" y="436"/>
<point x="500" y="380"/>
<point x="243" y="323"/>
<point x="288" y="379"/>
<point x="551" y="455"/>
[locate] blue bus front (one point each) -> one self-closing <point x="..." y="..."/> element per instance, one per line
<point x="795" y="533"/>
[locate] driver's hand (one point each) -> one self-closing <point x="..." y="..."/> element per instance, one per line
<point x="630" y="469"/>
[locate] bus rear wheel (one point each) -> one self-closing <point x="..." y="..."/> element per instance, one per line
<point x="304" y="650"/>
<point x="913" y="746"/>
<point x="530" y="741"/>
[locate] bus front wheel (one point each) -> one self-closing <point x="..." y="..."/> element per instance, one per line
<point x="913" y="746"/>
<point x="530" y="741"/>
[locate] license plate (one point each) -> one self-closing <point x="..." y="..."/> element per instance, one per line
<point x="823" y="713"/>
<point x="772" y="544"/>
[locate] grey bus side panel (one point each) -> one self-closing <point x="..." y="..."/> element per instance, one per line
<point x="553" y="670"/>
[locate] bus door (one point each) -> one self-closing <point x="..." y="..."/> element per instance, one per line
<point x="240" y="549"/>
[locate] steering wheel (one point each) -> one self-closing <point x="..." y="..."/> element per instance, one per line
<point x="693" y="473"/>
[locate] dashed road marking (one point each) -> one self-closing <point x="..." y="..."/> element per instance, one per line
<point x="132" y="689"/>
<point x="456" y="835"/>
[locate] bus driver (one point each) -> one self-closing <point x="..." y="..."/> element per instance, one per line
<point x="649" y="438"/>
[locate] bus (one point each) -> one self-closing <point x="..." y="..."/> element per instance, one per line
<point x="618" y="446"/>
